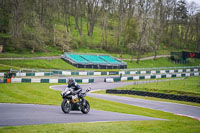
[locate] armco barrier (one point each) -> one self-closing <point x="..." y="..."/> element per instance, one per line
<point x="157" y="95"/>
<point x="158" y="76"/>
<point x="2" y="74"/>
<point x="53" y="80"/>
<point x="127" y="72"/>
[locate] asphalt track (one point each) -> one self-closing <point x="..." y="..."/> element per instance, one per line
<point x="30" y="114"/>
<point x="175" y="108"/>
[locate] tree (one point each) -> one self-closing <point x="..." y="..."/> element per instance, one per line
<point x="130" y="35"/>
<point x="144" y="9"/>
<point x="192" y="9"/>
<point x="197" y="26"/>
<point x="63" y="39"/>
<point x="182" y="16"/>
<point x="17" y="17"/>
<point x="105" y="8"/>
<point x="157" y="26"/>
<point x="93" y="11"/>
<point x="78" y="13"/>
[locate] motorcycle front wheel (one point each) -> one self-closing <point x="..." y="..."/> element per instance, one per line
<point x="66" y="106"/>
<point x="85" y="107"/>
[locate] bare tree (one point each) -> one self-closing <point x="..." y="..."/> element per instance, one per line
<point x="157" y="25"/>
<point x="144" y="9"/>
<point x="192" y="9"/>
<point x="93" y="10"/>
<point x="197" y="26"/>
<point x="17" y="17"/>
<point x="78" y="13"/>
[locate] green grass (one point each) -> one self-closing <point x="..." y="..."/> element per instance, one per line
<point x="59" y="64"/>
<point x="180" y="125"/>
<point x="6" y="68"/>
<point x="39" y="64"/>
<point x="51" y="51"/>
<point x="54" y="52"/>
<point x="188" y="86"/>
<point x="62" y="65"/>
<point x="41" y="94"/>
<point x="100" y="51"/>
<point x="160" y="62"/>
<point x="35" y="93"/>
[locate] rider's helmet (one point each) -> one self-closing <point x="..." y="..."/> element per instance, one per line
<point x="71" y="81"/>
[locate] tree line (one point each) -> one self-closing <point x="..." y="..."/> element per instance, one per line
<point x="134" y="26"/>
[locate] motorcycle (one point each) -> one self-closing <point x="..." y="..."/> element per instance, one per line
<point x="74" y="102"/>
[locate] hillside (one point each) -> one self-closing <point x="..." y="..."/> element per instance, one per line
<point x="46" y="28"/>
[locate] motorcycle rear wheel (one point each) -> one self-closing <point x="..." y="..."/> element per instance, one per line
<point x="85" y="107"/>
<point x="66" y="106"/>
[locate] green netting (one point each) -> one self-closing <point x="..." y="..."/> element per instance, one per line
<point x="77" y="58"/>
<point x="109" y="59"/>
<point x="93" y="59"/>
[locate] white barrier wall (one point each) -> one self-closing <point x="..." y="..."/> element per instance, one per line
<point x="66" y="73"/>
<point x="97" y="73"/>
<point x="16" y="80"/>
<point x="53" y="80"/>
<point x="124" y="78"/>
<point x="39" y="74"/>
<point x="147" y="77"/>
<point x="85" y="80"/>
<point x="20" y="74"/>
<point x="35" y="80"/>
<point x="109" y="80"/>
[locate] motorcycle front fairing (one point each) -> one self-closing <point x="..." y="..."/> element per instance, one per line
<point x="66" y="92"/>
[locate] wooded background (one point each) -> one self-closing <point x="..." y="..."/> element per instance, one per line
<point x="121" y="26"/>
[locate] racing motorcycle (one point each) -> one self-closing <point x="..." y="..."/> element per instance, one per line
<point x="74" y="102"/>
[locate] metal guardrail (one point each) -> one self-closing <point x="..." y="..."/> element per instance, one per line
<point x="159" y="68"/>
<point x="132" y="69"/>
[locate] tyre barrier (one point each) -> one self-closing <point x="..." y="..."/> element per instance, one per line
<point x="158" y="76"/>
<point x="157" y="95"/>
<point x="34" y="80"/>
<point x="86" y="73"/>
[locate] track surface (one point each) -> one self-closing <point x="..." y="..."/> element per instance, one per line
<point x="157" y="105"/>
<point x="30" y="114"/>
<point x="58" y="57"/>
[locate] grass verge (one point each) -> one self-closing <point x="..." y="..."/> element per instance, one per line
<point x="52" y="51"/>
<point x="189" y="86"/>
<point x="160" y="62"/>
<point x="39" y="64"/>
<point x="62" y="65"/>
<point x="59" y="64"/>
<point x="150" y="98"/>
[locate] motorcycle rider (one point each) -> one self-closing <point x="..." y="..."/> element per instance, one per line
<point x="73" y="85"/>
